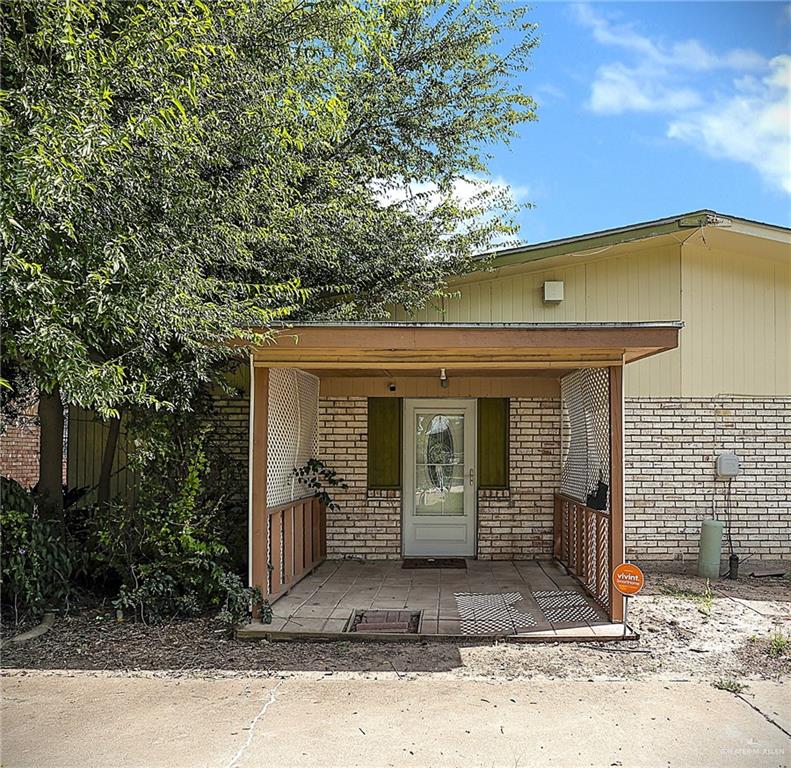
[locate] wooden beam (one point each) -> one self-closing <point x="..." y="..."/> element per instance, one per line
<point x="435" y="363"/>
<point x="405" y="347"/>
<point x="259" y="403"/>
<point x="437" y="338"/>
<point x="616" y="540"/>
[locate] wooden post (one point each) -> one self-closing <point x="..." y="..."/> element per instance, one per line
<point x="616" y="537"/>
<point x="259" y="421"/>
<point x="557" y="530"/>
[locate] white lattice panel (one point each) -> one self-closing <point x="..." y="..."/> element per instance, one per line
<point x="293" y="432"/>
<point x="585" y="432"/>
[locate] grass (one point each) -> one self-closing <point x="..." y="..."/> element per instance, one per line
<point x="704" y="600"/>
<point x="779" y="645"/>
<point x="727" y="684"/>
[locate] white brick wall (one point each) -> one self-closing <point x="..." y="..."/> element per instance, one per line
<point x="368" y="524"/>
<point x="671" y="445"/>
<point x="670" y="449"/>
<point x="513" y="524"/>
<point x="517" y="524"/>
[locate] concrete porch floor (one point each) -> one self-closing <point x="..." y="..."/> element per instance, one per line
<point x="521" y="600"/>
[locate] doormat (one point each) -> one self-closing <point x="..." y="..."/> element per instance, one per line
<point x="434" y="562"/>
<point x="386" y="622"/>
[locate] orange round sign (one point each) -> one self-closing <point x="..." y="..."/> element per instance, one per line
<point x="628" y="579"/>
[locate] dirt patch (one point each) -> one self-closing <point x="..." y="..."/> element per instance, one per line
<point x="12" y="624"/>
<point x="687" y="633"/>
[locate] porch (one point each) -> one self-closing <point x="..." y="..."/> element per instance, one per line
<point x="527" y="600"/>
<point x="398" y="411"/>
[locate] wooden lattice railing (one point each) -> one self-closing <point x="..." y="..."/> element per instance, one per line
<point x="296" y="543"/>
<point x="582" y="544"/>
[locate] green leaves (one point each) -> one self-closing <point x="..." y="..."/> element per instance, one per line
<point x="179" y="173"/>
<point x="36" y="564"/>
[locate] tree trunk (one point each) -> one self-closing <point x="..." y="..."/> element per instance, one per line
<point x="50" y="459"/>
<point x="103" y="488"/>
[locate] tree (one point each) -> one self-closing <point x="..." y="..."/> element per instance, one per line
<point x="179" y="173"/>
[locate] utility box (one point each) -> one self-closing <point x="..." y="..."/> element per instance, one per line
<point x="553" y="290"/>
<point x="728" y="465"/>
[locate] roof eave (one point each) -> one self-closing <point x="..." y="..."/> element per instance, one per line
<point x="608" y="237"/>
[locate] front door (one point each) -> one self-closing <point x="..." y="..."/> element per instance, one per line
<point x="440" y="483"/>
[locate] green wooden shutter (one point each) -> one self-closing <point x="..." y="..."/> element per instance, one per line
<point x="384" y="442"/>
<point x="493" y="442"/>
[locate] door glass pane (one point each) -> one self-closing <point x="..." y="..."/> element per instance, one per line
<point x="439" y="463"/>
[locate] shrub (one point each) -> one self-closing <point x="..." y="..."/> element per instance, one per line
<point x="36" y="562"/>
<point x="166" y="544"/>
<point x="727" y="684"/>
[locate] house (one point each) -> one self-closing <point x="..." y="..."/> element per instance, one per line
<point x="567" y="403"/>
<point x="570" y="400"/>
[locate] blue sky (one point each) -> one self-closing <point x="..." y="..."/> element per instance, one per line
<point x="651" y="109"/>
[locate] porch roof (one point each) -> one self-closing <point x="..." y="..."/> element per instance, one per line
<point x="365" y="348"/>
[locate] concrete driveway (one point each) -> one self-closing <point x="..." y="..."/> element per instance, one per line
<point x="83" y="720"/>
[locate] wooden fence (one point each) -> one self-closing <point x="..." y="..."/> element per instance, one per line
<point x="582" y="544"/>
<point x="87" y="434"/>
<point x="297" y="543"/>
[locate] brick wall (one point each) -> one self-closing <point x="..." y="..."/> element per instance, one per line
<point x="671" y="445"/>
<point x="367" y="523"/>
<point x="19" y="446"/>
<point x="232" y="425"/>
<point x="517" y="524"/>
<point x="510" y="524"/>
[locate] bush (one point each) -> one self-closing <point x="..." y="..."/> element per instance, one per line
<point x="167" y="545"/>
<point x="36" y="563"/>
<point x="176" y="546"/>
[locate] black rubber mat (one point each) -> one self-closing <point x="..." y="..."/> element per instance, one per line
<point x="434" y="562"/>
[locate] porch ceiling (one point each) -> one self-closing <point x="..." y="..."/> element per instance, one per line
<point x="367" y="349"/>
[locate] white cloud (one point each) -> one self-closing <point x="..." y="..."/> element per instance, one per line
<point x="657" y="55"/>
<point x="742" y="115"/>
<point x="477" y="195"/>
<point x="752" y="126"/>
<point x="619" y="88"/>
<point x="547" y="92"/>
<point x="654" y="80"/>
<point x="468" y="192"/>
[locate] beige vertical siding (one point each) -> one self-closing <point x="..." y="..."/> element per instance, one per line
<point x="737" y="309"/>
<point x="642" y="285"/>
<point x="732" y="290"/>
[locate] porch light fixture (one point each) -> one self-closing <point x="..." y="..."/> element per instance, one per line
<point x="443" y="379"/>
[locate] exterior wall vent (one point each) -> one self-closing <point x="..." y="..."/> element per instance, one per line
<point x="553" y="290"/>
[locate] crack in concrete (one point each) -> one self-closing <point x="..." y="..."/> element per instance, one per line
<point x="272" y="698"/>
<point x="763" y="714"/>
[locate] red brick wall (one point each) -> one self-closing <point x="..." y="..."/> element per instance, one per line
<point x="19" y="442"/>
<point x="19" y="447"/>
